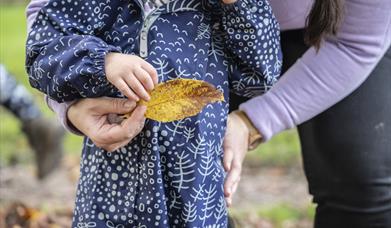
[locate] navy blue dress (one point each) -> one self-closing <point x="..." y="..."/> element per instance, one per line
<point x="171" y="174"/>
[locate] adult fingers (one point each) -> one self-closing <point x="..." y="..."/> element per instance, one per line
<point x="235" y="187"/>
<point x="112" y="136"/>
<point x="228" y="153"/>
<point x="131" y="127"/>
<point x="233" y="178"/>
<point x="127" y="130"/>
<point x="106" y="105"/>
<point x="137" y="87"/>
<point x="229" y="1"/>
<point x="108" y="147"/>
<point x="145" y="79"/>
<point x="228" y="146"/>
<point x="138" y="115"/>
<point x="109" y="134"/>
<point x="135" y="123"/>
<point x="124" y="88"/>
<point x="114" y="147"/>
<point x="151" y="71"/>
<point x="229" y="199"/>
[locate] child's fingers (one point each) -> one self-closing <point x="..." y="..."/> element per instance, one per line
<point x="144" y="78"/>
<point x="125" y="90"/>
<point x="137" y="87"/>
<point x="151" y="71"/>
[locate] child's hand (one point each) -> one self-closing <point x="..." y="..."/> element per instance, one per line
<point x="229" y="1"/>
<point x="131" y="75"/>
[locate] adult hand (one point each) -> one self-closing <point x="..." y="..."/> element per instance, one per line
<point x="91" y="117"/>
<point x="229" y="1"/>
<point x="235" y="148"/>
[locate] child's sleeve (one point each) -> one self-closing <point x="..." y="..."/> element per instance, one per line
<point x="64" y="57"/>
<point x="252" y="45"/>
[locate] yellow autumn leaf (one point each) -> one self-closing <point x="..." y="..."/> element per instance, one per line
<point x="180" y="98"/>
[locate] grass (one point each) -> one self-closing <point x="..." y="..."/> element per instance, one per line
<point x="282" y="150"/>
<point x="280" y="215"/>
<point x="12" y="39"/>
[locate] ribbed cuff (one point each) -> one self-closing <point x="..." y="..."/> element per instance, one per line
<point x="98" y="59"/>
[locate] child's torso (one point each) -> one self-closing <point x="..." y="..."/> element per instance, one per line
<point x="180" y="160"/>
<point x="179" y="40"/>
<point x="177" y="36"/>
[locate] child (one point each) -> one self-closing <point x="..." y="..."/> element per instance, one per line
<point x="170" y="175"/>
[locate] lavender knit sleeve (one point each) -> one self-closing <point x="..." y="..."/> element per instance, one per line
<point x="59" y="108"/>
<point x="32" y="10"/>
<point x="320" y="80"/>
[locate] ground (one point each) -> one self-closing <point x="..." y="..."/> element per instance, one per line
<point x="267" y="197"/>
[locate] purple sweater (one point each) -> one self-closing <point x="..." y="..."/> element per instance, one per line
<point x="318" y="80"/>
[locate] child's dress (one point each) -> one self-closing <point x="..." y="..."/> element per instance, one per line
<point x="171" y="174"/>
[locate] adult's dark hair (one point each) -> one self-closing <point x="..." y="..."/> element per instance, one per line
<point x="323" y="20"/>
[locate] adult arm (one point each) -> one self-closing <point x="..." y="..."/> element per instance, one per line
<point x="316" y="82"/>
<point x="319" y="80"/>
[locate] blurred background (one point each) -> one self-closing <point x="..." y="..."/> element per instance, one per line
<point x="273" y="191"/>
